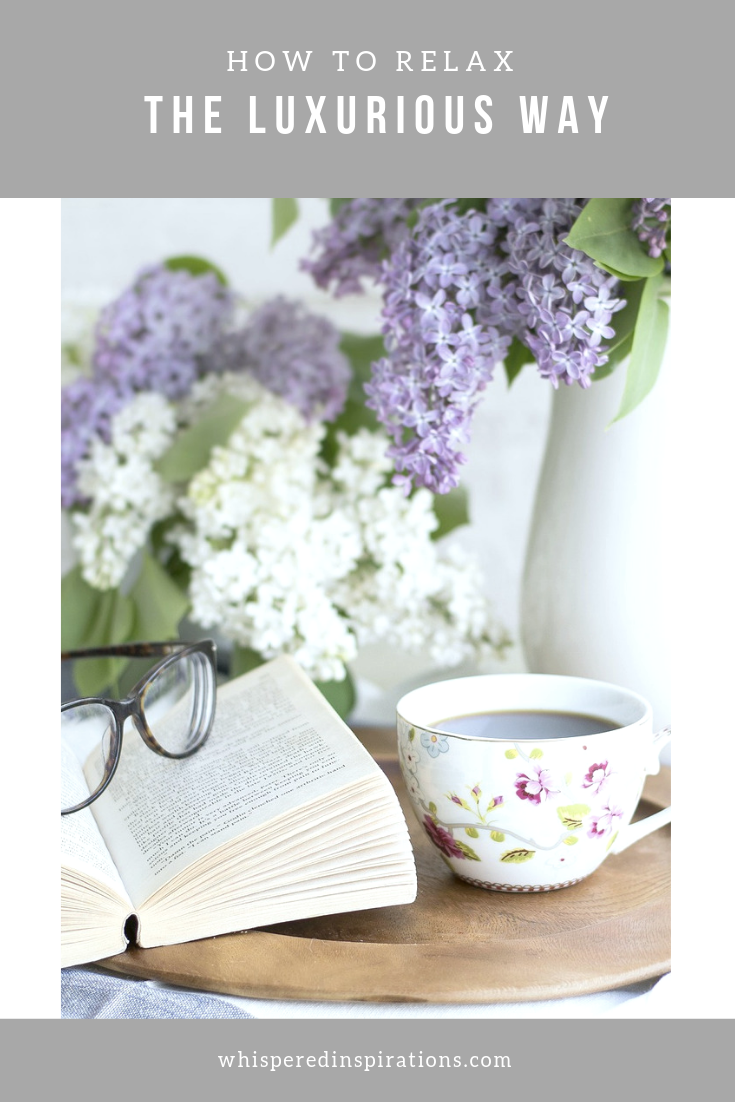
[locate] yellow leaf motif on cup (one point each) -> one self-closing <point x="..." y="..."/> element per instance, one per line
<point x="517" y="856"/>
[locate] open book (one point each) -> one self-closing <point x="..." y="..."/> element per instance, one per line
<point x="281" y="815"/>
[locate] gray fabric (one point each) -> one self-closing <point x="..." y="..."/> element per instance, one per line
<point x="88" y="993"/>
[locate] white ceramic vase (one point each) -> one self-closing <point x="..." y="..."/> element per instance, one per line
<point x="594" y="601"/>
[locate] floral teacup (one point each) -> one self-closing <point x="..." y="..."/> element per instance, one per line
<point x="532" y="814"/>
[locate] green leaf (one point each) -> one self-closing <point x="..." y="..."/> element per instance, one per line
<point x="624" y="323"/>
<point x="411" y="734"/>
<point x="465" y="205"/>
<point x="340" y="694"/>
<point x="471" y="832"/>
<point x="335" y="205"/>
<point x="159" y="603"/>
<point x="517" y="856"/>
<point x="497" y="835"/>
<point x="113" y="624"/>
<point x="362" y="352"/>
<point x="432" y="808"/>
<point x="79" y="609"/>
<point x="602" y="230"/>
<point x="169" y="555"/>
<point x="570" y="840"/>
<point x="649" y="342"/>
<point x="612" y="840"/>
<point x="191" y="450"/>
<point x="515" y="358"/>
<point x="572" y="815"/>
<point x="536" y="753"/>
<point x="466" y="850"/>
<point x="284" y="213"/>
<point x="618" y="275"/>
<point x="196" y="266"/>
<point x="451" y="511"/>
<point x="510" y="754"/>
<point x="244" y="659"/>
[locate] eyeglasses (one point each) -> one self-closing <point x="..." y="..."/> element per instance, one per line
<point x="172" y="708"/>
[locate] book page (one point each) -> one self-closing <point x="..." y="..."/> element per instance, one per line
<point x="82" y="847"/>
<point x="275" y="745"/>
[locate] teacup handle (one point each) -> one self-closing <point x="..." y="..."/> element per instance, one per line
<point x="635" y="831"/>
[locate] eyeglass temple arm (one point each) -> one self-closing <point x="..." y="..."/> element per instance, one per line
<point x="127" y="650"/>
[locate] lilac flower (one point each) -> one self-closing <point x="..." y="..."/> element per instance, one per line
<point x="457" y="289"/>
<point x="652" y="221"/>
<point x="168" y="329"/>
<point x="439" y="360"/>
<point x="291" y="352"/>
<point x="536" y="785"/>
<point x="355" y="242"/>
<point x="153" y="337"/>
<point x="87" y="407"/>
<point x="552" y="280"/>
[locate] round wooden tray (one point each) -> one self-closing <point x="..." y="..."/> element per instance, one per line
<point x="456" y="943"/>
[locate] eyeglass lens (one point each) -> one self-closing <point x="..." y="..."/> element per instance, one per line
<point x="88" y="731"/>
<point x="176" y="705"/>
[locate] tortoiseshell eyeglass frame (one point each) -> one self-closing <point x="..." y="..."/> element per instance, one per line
<point x="134" y="704"/>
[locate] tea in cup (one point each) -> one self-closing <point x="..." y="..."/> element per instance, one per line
<point x="527" y="782"/>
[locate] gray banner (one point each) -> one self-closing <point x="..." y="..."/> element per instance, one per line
<point x="516" y="1060"/>
<point x="621" y="92"/>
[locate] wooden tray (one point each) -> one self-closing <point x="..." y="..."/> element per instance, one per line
<point x="456" y="943"/>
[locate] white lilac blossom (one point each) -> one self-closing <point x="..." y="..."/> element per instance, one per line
<point x="287" y="555"/>
<point x="125" y="493"/>
<point x="171" y="328"/>
<point x="458" y="286"/>
<point x="87" y="407"/>
<point x="652" y="223"/>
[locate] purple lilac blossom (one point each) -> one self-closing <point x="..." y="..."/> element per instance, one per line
<point x="651" y="221"/>
<point x="457" y="290"/>
<point x="439" y="360"/>
<point x="353" y="244"/>
<point x="87" y="406"/>
<point x="293" y="353"/>
<point x="153" y="337"/>
<point x="168" y="329"/>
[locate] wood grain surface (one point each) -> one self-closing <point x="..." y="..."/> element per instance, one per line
<point x="456" y="943"/>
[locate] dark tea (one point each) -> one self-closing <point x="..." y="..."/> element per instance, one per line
<point x="517" y="725"/>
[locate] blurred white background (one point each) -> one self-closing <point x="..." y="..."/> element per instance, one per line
<point x="106" y="241"/>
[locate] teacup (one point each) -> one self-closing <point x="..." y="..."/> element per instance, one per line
<point x="528" y="814"/>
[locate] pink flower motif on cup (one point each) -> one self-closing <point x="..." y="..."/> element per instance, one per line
<point x="597" y="776"/>
<point x="537" y="787"/>
<point x="605" y="821"/>
<point x="442" y="839"/>
<point x="435" y="744"/>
